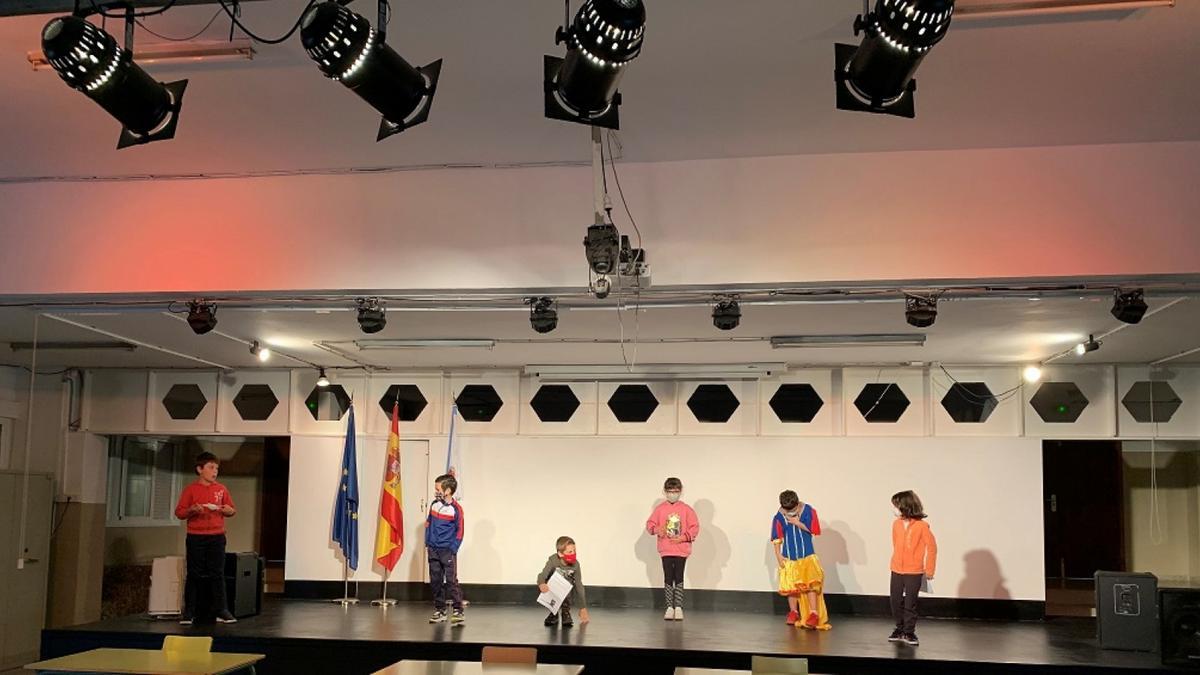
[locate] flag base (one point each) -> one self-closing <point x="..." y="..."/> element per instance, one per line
<point x="383" y="602"/>
<point x="344" y="602"/>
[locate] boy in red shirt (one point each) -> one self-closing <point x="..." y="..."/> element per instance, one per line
<point x="205" y="505"/>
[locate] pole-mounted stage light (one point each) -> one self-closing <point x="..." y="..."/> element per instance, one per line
<point x="89" y="59"/>
<point x="543" y="317"/>
<point x="877" y="75"/>
<point x="1129" y="306"/>
<point x="372" y="316"/>
<point x="726" y="313"/>
<point x="920" y="312"/>
<point x="582" y="87"/>
<point x="348" y="49"/>
<point x="202" y="316"/>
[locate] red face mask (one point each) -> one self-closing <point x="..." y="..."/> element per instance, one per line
<point x="570" y="558"/>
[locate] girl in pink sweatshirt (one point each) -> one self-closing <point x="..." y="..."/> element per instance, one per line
<point x="676" y="526"/>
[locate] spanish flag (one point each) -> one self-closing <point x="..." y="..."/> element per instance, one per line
<point x="389" y="539"/>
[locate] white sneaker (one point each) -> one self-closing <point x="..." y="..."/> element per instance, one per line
<point x="679" y="614"/>
<point x="669" y="615"/>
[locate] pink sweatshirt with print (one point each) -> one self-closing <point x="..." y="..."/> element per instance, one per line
<point x="674" y="521"/>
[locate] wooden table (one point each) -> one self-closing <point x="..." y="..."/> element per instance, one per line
<point x="148" y="662"/>
<point x="474" y="668"/>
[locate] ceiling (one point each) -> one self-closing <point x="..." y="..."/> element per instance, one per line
<point x="716" y="80"/>
<point x="981" y="331"/>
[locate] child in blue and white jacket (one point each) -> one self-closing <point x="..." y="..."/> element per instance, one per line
<point x="443" y="536"/>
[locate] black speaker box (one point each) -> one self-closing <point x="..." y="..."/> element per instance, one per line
<point x="1127" y="611"/>
<point x="244" y="583"/>
<point x="1180" y="626"/>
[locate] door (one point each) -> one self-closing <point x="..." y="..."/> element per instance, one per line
<point x="1084" y="508"/>
<point x="23" y="571"/>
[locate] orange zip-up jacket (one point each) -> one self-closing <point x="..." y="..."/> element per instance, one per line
<point x="914" y="550"/>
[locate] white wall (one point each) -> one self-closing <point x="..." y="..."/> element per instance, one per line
<point x="984" y="497"/>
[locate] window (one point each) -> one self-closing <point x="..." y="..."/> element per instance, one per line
<point x="145" y="477"/>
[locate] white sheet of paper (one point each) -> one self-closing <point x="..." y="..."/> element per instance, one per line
<point x="560" y="588"/>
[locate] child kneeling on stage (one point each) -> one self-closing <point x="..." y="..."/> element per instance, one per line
<point x="801" y="578"/>
<point x="565" y="563"/>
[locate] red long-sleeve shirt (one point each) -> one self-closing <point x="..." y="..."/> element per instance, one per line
<point x="205" y="522"/>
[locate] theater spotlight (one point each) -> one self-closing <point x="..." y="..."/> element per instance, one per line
<point x="1129" y="306"/>
<point x="1084" y="347"/>
<point x="920" y="312"/>
<point x="347" y="49"/>
<point x="371" y="317"/>
<point x="727" y="313"/>
<point x="202" y="316"/>
<point x="604" y="37"/>
<point x="263" y="353"/>
<point x="90" y="60"/>
<point x="322" y="381"/>
<point x="877" y="75"/>
<point x="602" y="246"/>
<point x="1031" y="374"/>
<point x="543" y="317"/>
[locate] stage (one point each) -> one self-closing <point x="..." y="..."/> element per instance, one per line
<point x="308" y="636"/>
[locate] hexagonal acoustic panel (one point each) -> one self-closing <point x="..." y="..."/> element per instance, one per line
<point x="881" y="402"/>
<point x="796" y="403"/>
<point x="554" y="403"/>
<point x="1149" y="402"/>
<point x="328" y="404"/>
<point x="1058" y="402"/>
<point x="713" y="403"/>
<point x="478" y="403"/>
<point x="632" y="403"/>
<point x="412" y="401"/>
<point x="255" y="402"/>
<point x="184" y="401"/>
<point x="969" y="402"/>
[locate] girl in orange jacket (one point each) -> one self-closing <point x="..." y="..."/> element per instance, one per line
<point x="914" y="559"/>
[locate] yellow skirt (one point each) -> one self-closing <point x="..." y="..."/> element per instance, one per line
<point x="805" y="575"/>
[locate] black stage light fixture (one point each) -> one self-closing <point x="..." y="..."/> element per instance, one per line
<point x="602" y="246"/>
<point x="543" y="317"/>
<point x="89" y="59"/>
<point x="1129" y="306"/>
<point x="920" y="312"/>
<point x="202" y="316"/>
<point x="1084" y="347"/>
<point x="604" y="37"/>
<point x="348" y="49"/>
<point x="371" y="317"/>
<point x="727" y="313"/>
<point x="601" y="287"/>
<point x="877" y="75"/>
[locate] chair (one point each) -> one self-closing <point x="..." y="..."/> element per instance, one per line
<point x="183" y="645"/>
<point x="770" y="665"/>
<point x="525" y="655"/>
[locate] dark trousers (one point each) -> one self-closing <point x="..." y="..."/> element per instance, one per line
<point x="443" y="577"/>
<point x="204" y="591"/>
<point x="673" y="569"/>
<point x="905" y="588"/>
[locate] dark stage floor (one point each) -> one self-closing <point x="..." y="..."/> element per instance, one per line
<point x="312" y="636"/>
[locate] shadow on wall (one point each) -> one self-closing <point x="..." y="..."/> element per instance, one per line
<point x="646" y="550"/>
<point x="840" y="549"/>
<point x="710" y="552"/>
<point x="982" y="577"/>
<point x="484" y="554"/>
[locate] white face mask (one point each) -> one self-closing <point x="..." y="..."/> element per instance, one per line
<point x="672" y="497"/>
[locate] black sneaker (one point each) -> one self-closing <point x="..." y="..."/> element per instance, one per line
<point x="896" y="636"/>
<point x="567" y="621"/>
<point x="457" y="618"/>
<point x="911" y="639"/>
<point x="226" y="617"/>
<point x="438" y="616"/>
<point x="551" y="620"/>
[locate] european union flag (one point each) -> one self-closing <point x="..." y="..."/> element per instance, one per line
<point x="345" y="508"/>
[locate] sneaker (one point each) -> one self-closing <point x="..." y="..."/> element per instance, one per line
<point x="185" y="621"/>
<point x="438" y="616"/>
<point x="226" y="617"/>
<point x="896" y="636"/>
<point x="457" y="618"/>
<point x="792" y="618"/>
<point x="812" y="620"/>
<point x="669" y="615"/>
<point x="551" y="620"/>
<point x="567" y="621"/>
<point x="911" y="639"/>
<point x="679" y="614"/>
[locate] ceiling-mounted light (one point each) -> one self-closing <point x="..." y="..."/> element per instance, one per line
<point x="263" y="353"/>
<point x="89" y="59"/>
<point x="726" y="313"/>
<point x="202" y="316"/>
<point x="1090" y="345"/>
<point x="920" y="312"/>
<point x="1129" y="306"/>
<point x="604" y="37"/>
<point x="1031" y="374"/>
<point x="371" y="317"/>
<point x="877" y="75"/>
<point x="322" y="381"/>
<point x="348" y="49"/>
<point x="602" y="247"/>
<point x="543" y="317"/>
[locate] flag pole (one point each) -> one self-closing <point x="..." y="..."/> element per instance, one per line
<point x="384" y="601"/>
<point x="345" y="600"/>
